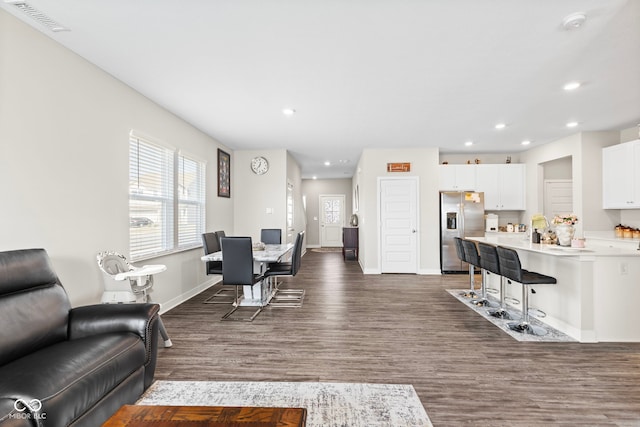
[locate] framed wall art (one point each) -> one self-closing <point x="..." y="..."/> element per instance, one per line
<point x="224" y="174"/>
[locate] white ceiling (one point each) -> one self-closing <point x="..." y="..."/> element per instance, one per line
<point x="366" y="73"/>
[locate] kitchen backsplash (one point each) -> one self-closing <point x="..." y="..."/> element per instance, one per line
<point x="506" y="217"/>
<point x="630" y="217"/>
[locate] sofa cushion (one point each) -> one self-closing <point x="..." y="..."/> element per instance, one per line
<point x="34" y="308"/>
<point x="71" y="376"/>
<point x="32" y="320"/>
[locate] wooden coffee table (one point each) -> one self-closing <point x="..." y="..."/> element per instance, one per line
<point x="206" y="416"/>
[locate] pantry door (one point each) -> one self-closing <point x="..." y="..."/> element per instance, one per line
<point x="398" y="213"/>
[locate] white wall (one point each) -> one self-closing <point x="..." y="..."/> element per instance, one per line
<point x="312" y="189"/>
<point x="294" y="176"/>
<point x="558" y="169"/>
<point x="585" y="151"/>
<point x="260" y="201"/>
<point x="595" y="218"/>
<point x="254" y="194"/>
<point x="373" y="164"/>
<point x="64" y="127"/>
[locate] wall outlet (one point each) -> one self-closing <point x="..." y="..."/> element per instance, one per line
<point x="624" y="269"/>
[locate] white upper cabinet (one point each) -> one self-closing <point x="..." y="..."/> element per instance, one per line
<point x="457" y="177"/>
<point x="503" y="186"/>
<point x="621" y="176"/>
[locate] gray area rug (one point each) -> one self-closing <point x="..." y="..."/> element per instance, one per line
<point x="327" y="404"/>
<point x="553" y="335"/>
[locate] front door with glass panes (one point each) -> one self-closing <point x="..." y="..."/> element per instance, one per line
<point x="331" y="220"/>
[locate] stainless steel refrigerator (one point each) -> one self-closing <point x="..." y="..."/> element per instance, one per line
<point x="461" y="215"/>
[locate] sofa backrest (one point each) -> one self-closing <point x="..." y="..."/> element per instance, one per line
<point x="34" y="307"/>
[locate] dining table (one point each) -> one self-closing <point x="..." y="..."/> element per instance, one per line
<point x="260" y="293"/>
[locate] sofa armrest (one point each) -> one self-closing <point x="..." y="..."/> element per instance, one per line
<point x="105" y="318"/>
<point x="140" y="319"/>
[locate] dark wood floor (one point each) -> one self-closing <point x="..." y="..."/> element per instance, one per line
<point x="406" y="329"/>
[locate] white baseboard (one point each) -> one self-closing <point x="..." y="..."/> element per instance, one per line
<point x="174" y="302"/>
<point x="427" y="271"/>
<point x="313" y="246"/>
<point x="430" y="272"/>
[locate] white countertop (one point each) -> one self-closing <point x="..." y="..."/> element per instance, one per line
<point x="523" y="243"/>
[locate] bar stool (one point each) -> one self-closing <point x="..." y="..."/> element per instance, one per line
<point x="489" y="261"/>
<point x="463" y="257"/>
<point x="471" y="252"/>
<point x="511" y="268"/>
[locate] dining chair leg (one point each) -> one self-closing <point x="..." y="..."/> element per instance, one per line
<point x="288" y="298"/>
<point x="236" y="306"/>
<point x="222" y="296"/>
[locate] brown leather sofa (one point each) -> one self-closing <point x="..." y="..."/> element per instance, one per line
<point x="63" y="366"/>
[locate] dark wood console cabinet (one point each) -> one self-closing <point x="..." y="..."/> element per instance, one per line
<point x="350" y="242"/>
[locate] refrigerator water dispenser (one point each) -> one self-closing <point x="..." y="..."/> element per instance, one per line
<point x="452" y="220"/>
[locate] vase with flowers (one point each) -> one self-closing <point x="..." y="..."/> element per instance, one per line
<point x="565" y="229"/>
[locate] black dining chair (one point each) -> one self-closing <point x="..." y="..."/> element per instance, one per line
<point x="271" y="236"/>
<point x="511" y="268"/>
<point x="211" y="244"/>
<point x="220" y="234"/>
<point x="237" y="270"/>
<point x="288" y="297"/>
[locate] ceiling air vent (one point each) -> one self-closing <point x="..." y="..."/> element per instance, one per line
<point x="35" y="14"/>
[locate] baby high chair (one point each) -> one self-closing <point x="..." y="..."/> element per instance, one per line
<point x="126" y="284"/>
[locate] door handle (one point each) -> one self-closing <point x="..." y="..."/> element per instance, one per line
<point x="413" y="231"/>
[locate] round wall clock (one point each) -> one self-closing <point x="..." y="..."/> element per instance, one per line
<point x="259" y="165"/>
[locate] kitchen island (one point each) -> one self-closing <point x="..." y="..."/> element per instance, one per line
<point x="598" y="290"/>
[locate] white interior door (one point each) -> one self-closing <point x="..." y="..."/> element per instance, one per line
<point x="331" y="220"/>
<point x="558" y="197"/>
<point x="399" y="225"/>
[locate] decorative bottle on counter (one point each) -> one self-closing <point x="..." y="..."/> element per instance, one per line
<point x="535" y="236"/>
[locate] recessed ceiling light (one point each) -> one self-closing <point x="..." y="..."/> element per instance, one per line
<point x="574" y="20"/>
<point x="571" y="86"/>
<point x="526" y="142"/>
<point x="572" y="124"/>
<point x="501" y="126"/>
<point x="327" y="163"/>
<point x="288" y="111"/>
<point x="314" y="177"/>
<point x="468" y="143"/>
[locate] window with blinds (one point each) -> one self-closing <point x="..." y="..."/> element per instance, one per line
<point x="190" y="201"/>
<point x="166" y="199"/>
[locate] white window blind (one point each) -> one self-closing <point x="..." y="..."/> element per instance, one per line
<point x="150" y="198"/>
<point x="191" y="201"/>
<point x="165" y="214"/>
